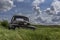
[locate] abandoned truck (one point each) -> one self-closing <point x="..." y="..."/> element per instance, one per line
<point x="20" y="21"/>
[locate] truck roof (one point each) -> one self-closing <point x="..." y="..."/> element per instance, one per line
<point x="20" y="16"/>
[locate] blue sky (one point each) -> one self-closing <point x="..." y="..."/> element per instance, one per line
<point x="25" y="7"/>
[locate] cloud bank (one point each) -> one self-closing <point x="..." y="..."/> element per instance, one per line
<point x="48" y="16"/>
<point x="56" y="5"/>
<point x="6" y="5"/>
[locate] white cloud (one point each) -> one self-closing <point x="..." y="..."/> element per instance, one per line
<point x="20" y="0"/>
<point x="37" y="2"/>
<point x="47" y="16"/>
<point x="37" y="10"/>
<point x="56" y="5"/>
<point x="6" y="5"/>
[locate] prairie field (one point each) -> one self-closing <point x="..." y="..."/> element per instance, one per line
<point x="41" y="33"/>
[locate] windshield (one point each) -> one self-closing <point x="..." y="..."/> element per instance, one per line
<point x="19" y="19"/>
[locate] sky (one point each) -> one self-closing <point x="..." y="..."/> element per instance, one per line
<point x="45" y="12"/>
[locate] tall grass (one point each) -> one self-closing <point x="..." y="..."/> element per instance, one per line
<point x="41" y="33"/>
<point x="4" y="23"/>
<point x="46" y="33"/>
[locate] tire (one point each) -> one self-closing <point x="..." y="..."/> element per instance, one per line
<point x="9" y="27"/>
<point x="12" y="27"/>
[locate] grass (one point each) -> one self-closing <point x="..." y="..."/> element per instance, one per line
<point x="41" y="33"/>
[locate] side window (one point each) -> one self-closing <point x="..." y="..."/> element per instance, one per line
<point x="12" y="19"/>
<point x="26" y="19"/>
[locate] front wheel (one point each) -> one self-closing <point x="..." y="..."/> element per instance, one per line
<point x="12" y="27"/>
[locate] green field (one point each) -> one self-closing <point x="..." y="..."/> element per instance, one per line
<point x="41" y="33"/>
